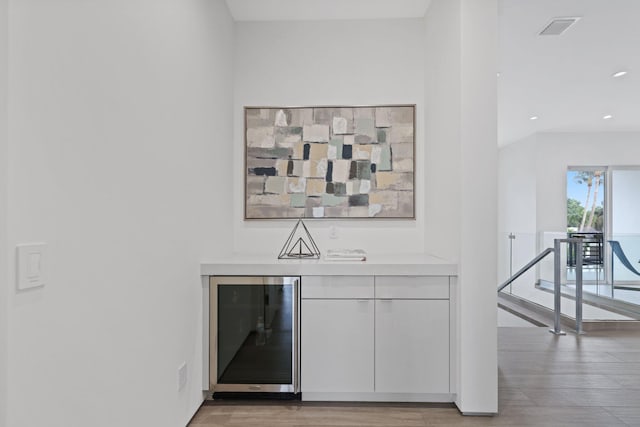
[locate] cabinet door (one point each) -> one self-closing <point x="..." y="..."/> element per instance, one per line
<point x="412" y="346"/>
<point x="336" y="345"/>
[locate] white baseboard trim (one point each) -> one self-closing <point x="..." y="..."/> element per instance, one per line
<point x="378" y="397"/>
<point x="479" y="414"/>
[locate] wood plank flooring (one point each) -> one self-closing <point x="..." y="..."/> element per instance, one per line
<point x="544" y="380"/>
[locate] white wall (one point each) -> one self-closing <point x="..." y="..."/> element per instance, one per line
<point x="462" y="180"/>
<point x="517" y="208"/>
<point x="478" y="209"/>
<point x="330" y="63"/>
<point x="517" y="187"/>
<point x="551" y="154"/>
<point x="625" y="202"/>
<point x="559" y="150"/>
<point x="442" y="122"/>
<point x="4" y="288"/>
<point x="119" y="148"/>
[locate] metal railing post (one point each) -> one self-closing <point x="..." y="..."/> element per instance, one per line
<point x="579" y="261"/>
<point x="511" y="237"/>
<point x="556" y="288"/>
<point x="612" y="281"/>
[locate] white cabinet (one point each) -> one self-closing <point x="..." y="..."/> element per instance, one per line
<point x="337" y="345"/>
<point x="412" y="346"/>
<point x="412" y="334"/>
<point x="376" y="338"/>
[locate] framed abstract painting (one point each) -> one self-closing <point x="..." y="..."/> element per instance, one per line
<point x="330" y="162"/>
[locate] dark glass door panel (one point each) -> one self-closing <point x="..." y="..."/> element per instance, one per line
<point x="255" y="333"/>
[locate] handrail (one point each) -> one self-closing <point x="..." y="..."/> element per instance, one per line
<point x="579" y="249"/>
<point x="525" y="268"/>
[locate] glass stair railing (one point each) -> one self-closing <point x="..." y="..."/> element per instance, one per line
<point x="560" y="283"/>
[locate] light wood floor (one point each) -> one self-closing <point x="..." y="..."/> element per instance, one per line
<point x="544" y="380"/>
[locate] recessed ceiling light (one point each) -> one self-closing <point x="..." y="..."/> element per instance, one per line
<point x="607" y="117"/>
<point x="619" y="73"/>
<point x="497" y="74"/>
<point x="533" y="118"/>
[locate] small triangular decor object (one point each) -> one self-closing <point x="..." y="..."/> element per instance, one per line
<point x="300" y="244"/>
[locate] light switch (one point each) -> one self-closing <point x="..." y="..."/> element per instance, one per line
<point x="31" y="265"/>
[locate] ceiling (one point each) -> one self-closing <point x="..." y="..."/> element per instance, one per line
<point x="314" y="10"/>
<point x="563" y="80"/>
<point x="566" y="80"/>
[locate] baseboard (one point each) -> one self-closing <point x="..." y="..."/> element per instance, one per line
<point x="378" y="397"/>
<point x="479" y="414"/>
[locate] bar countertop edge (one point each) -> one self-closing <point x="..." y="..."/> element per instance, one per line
<point x="378" y="265"/>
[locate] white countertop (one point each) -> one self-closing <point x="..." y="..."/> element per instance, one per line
<point x="379" y="265"/>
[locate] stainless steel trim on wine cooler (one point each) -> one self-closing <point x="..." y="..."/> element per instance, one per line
<point x="240" y="321"/>
<point x="296" y="337"/>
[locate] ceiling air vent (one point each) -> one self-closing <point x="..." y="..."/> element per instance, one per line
<point x="558" y="26"/>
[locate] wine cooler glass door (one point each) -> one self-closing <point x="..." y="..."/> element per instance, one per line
<point x="255" y="323"/>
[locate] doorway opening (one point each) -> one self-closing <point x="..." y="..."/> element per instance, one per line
<point x="602" y="209"/>
<point x="586" y="219"/>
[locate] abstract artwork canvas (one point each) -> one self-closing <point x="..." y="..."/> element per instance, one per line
<point x="330" y="162"/>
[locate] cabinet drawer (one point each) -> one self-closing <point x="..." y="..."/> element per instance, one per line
<point x="319" y="287"/>
<point x="412" y="287"/>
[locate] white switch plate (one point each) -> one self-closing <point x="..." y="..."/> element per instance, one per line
<point x="31" y="265"/>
